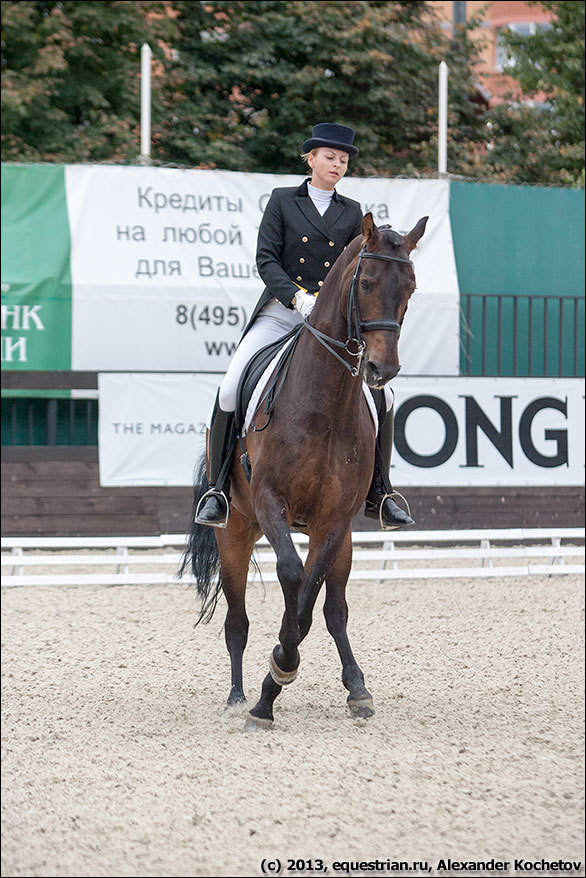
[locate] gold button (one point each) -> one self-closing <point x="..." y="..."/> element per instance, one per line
<point x="320" y="283"/>
<point x="332" y="244"/>
<point x="302" y="259"/>
<point x="299" y="277"/>
<point x="327" y="264"/>
<point x="304" y="239"/>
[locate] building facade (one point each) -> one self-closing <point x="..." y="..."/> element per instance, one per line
<point x="497" y="17"/>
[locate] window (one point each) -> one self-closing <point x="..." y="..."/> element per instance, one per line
<point x="503" y="58"/>
<point x="459" y="12"/>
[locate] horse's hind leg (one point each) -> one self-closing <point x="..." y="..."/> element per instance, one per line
<point x="236" y="543"/>
<point x="336" y="616"/>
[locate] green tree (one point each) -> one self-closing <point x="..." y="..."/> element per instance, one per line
<point x="542" y="140"/>
<point x="253" y="77"/>
<point x="70" y="86"/>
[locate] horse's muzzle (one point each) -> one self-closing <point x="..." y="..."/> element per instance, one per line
<point x="377" y="375"/>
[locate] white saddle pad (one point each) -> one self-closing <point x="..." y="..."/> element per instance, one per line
<point x="258" y="391"/>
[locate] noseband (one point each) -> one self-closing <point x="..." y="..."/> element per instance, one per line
<point x="355" y="344"/>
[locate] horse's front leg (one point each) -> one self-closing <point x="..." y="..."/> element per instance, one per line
<point x="236" y="543"/>
<point x="359" y="699"/>
<point x="284" y="660"/>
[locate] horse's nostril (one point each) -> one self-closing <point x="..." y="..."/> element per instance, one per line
<point x="373" y="371"/>
<point x="379" y="374"/>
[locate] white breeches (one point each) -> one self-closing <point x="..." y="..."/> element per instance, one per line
<point x="272" y="323"/>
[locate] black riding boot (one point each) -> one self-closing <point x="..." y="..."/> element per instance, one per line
<point x="222" y="440"/>
<point x="391" y="514"/>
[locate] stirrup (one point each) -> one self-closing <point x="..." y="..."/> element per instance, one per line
<point x="212" y="493"/>
<point x="390" y="496"/>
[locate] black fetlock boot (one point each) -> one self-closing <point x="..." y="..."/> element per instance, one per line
<point x="379" y="503"/>
<point x="213" y="508"/>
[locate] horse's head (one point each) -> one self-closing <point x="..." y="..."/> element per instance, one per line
<point x="379" y="293"/>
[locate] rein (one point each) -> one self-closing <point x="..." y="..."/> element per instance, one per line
<point x="356" y="326"/>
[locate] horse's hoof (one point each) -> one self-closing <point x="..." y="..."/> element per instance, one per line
<point x="256" y="723"/>
<point x="235" y="706"/>
<point x="361" y="707"/>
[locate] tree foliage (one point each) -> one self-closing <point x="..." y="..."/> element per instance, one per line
<point x="239" y="84"/>
<point x="70" y="90"/>
<point x="542" y="141"/>
<point x="255" y="77"/>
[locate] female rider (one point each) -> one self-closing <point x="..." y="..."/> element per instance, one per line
<point x="303" y="231"/>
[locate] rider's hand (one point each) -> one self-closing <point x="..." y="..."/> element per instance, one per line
<point x="304" y="302"/>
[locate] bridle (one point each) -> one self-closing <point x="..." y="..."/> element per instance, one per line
<point x="355" y="345"/>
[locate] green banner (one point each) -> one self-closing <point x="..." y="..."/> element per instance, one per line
<point x="36" y="275"/>
<point x="520" y="256"/>
<point x="518" y="240"/>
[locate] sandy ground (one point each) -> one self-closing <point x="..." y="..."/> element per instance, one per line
<point x="119" y="759"/>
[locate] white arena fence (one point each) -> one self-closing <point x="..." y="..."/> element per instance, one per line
<point x="377" y="556"/>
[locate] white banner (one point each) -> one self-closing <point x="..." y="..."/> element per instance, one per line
<point x="164" y="275"/>
<point x="489" y="431"/>
<point x="152" y="427"/>
<point x="448" y="431"/>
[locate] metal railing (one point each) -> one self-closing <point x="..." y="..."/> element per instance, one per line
<point x="42" y="421"/>
<point x="522" y="335"/>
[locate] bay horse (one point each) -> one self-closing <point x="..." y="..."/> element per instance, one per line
<point x="311" y="466"/>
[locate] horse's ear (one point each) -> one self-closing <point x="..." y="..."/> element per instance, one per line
<point x="369" y="230"/>
<point x="411" y="239"/>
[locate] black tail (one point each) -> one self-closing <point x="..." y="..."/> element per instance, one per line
<point x="201" y="555"/>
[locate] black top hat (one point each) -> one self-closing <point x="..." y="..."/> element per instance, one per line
<point x="330" y="134"/>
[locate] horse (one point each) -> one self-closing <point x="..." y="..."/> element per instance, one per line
<point x="310" y="466"/>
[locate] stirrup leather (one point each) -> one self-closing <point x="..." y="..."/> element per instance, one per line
<point x="380" y="510"/>
<point x="212" y="493"/>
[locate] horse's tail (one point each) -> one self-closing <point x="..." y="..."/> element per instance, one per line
<point x="201" y="555"/>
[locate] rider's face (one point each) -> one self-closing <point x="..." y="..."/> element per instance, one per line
<point x="328" y="166"/>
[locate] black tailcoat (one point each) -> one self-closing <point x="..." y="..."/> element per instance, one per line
<point x="297" y="246"/>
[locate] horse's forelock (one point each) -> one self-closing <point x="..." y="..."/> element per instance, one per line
<point x="390" y="236"/>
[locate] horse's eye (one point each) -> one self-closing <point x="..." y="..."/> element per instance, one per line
<point x="365" y="285"/>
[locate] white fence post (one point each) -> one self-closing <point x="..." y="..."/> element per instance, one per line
<point x="145" y="104"/>
<point x="442" y="128"/>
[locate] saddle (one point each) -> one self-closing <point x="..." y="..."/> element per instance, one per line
<point x="254" y="371"/>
